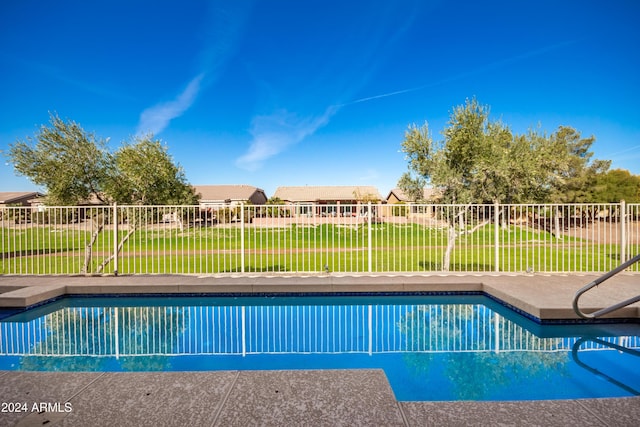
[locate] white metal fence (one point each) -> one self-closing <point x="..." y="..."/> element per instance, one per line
<point x="318" y="238"/>
<point x="281" y="329"/>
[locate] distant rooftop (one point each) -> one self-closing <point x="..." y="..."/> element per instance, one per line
<point x="428" y="194"/>
<point x="8" y="197"/>
<point x="327" y="193"/>
<point x="222" y="193"/>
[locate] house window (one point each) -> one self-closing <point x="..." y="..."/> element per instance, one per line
<point x="347" y="210"/>
<point x="304" y="209"/>
<point x="328" y="210"/>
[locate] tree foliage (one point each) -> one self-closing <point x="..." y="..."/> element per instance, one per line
<point x="483" y="161"/>
<point x="616" y="185"/>
<point x="70" y="163"/>
<point x="577" y="174"/>
<point x="75" y="166"/>
<point x="146" y="175"/>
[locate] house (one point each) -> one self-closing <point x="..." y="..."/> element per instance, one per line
<point x="329" y="200"/>
<point x="19" y="198"/>
<point x="397" y="196"/>
<point x="216" y="196"/>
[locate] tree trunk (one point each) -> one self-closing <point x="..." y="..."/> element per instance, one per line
<point x="89" y="247"/>
<point x="446" y="259"/>
<point x="503" y="218"/>
<point x="178" y="219"/>
<point x="556" y="225"/>
<point x="120" y="245"/>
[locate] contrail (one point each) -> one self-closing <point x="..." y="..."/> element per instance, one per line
<point x="484" y="68"/>
<point x="624" y="151"/>
<point x="384" y="95"/>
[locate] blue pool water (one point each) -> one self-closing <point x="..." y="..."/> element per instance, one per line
<point x="430" y="347"/>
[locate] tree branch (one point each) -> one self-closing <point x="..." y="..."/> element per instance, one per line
<point x="119" y="248"/>
<point x="89" y="247"/>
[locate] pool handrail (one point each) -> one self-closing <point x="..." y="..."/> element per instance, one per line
<point x="598" y="281"/>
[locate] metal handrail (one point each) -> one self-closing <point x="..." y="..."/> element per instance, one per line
<point x="598" y="281"/>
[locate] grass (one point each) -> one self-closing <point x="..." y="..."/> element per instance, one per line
<point x="394" y="248"/>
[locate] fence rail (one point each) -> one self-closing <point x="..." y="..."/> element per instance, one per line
<point x="318" y="238"/>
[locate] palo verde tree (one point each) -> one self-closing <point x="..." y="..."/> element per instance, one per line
<point x="75" y="166"/>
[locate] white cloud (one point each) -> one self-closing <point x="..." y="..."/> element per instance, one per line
<point x="156" y="118"/>
<point x="273" y="133"/>
<point x="225" y="24"/>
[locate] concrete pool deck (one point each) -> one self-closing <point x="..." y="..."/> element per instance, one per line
<point x="327" y="397"/>
<point x="546" y="297"/>
<point x="273" y="398"/>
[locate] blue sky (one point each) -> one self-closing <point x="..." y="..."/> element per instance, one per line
<point x="272" y="93"/>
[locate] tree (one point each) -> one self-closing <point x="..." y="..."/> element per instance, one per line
<point x="417" y="145"/>
<point x="273" y="210"/>
<point x="482" y="161"/>
<point x="475" y="163"/>
<point x="413" y="187"/>
<point x="74" y="165"/>
<point x="146" y="175"/>
<point x="616" y="185"/>
<point x="576" y="174"/>
<point x="469" y="165"/>
<point x="71" y="164"/>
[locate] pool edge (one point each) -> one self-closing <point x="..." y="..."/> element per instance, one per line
<point x="545" y="299"/>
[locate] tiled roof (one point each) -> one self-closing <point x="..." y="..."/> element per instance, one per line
<point x="11" y="196"/>
<point x="428" y="194"/>
<point x="225" y="192"/>
<point x="332" y="193"/>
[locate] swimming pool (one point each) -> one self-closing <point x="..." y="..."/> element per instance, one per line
<point x="430" y="347"/>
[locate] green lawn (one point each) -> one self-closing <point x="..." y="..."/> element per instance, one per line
<point x="394" y="248"/>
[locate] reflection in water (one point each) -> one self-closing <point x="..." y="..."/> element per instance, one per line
<point x="467" y="351"/>
<point x="503" y="352"/>
<point x="242" y="330"/>
<point x="620" y="347"/>
<point x="97" y="331"/>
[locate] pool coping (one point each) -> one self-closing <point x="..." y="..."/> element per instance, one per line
<point x="541" y="297"/>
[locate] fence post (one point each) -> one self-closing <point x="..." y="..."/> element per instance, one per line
<point x="623" y="231"/>
<point x="242" y="237"/>
<point x="369" y="240"/>
<point x="496" y="236"/>
<point x="115" y="238"/>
